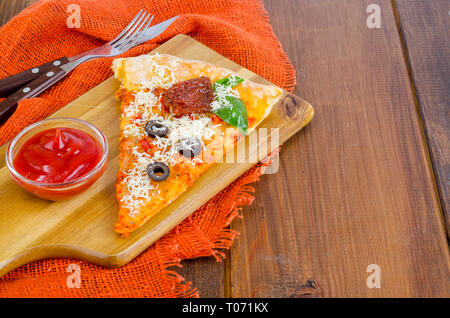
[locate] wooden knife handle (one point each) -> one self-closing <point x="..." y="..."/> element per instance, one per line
<point x="9" y="105"/>
<point x="14" y="82"/>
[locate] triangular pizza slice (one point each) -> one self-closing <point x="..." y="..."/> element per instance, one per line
<point x="177" y="117"/>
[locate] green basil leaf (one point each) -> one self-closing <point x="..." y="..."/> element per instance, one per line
<point x="230" y="80"/>
<point x="235" y="115"/>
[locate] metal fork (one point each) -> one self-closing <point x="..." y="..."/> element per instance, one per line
<point x="123" y="42"/>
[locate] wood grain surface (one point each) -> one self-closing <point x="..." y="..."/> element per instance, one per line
<point x="9" y="8"/>
<point x="425" y="27"/>
<point x="356" y="187"/>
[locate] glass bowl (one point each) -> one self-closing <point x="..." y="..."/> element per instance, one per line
<point x="57" y="191"/>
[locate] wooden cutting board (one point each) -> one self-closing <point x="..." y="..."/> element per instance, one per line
<point x="83" y="227"/>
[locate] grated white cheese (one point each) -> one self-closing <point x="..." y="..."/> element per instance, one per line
<point x="146" y="107"/>
<point x="138" y="183"/>
<point x="221" y="91"/>
<point x="142" y="109"/>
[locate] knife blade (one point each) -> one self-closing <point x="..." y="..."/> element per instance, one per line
<point x="156" y="30"/>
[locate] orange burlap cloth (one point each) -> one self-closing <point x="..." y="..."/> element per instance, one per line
<point x="238" y="29"/>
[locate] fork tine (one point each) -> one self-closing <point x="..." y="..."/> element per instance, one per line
<point x="126" y="28"/>
<point x="137" y="36"/>
<point x="138" y="31"/>
<point x="142" y="30"/>
<point x="137" y="25"/>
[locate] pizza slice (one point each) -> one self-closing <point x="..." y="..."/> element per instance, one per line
<point x="177" y="118"/>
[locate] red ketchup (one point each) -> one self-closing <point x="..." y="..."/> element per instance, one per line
<point x="56" y="156"/>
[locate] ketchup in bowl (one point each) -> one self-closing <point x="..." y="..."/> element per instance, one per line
<point x="57" y="158"/>
<point x="58" y="155"/>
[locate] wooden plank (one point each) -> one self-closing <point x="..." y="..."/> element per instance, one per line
<point x="425" y="28"/>
<point x="355" y="187"/>
<point x="206" y="275"/>
<point x="9" y="8"/>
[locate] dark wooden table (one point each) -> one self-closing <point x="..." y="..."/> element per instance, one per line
<point x="368" y="182"/>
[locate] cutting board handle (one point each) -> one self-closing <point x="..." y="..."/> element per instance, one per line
<point x="292" y="113"/>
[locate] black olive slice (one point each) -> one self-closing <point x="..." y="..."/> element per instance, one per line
<point x="153" y="129"/>
<point x="158" y="171"/>
<point x="189" y="147"/>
